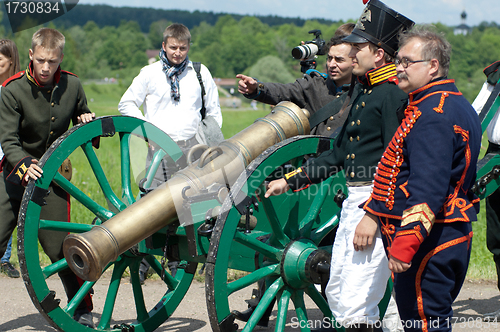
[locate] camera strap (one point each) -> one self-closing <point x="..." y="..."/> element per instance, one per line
<point x="337" y="106"/>
<point x="197" y="68"/>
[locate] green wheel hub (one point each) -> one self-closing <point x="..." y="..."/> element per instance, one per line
<point x="296" y="263"/>
<point x="283" y="251"/>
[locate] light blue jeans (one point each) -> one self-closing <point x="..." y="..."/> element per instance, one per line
<point x="8" y="252"/>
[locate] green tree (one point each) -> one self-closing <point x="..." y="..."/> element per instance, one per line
<point x="156" y="30"/>
<point x="271" y="69"/>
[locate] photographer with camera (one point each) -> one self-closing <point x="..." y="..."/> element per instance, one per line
<point x="313" y="91"/>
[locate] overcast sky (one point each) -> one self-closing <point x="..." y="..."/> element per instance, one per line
<point x="421" y="11"/>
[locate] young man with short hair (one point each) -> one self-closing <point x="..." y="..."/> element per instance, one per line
<point x="170" y="92"/>
<point x="37" y="107"/>
<point x="358" y="279"/>
<point x="171" y="95"/>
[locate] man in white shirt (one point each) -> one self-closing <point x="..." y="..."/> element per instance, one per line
<point x="171" y="95"/>
<point x="170" y="92"/>
<point x="492" y="201"/>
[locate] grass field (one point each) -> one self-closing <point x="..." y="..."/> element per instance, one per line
<point x="103" y="100"/>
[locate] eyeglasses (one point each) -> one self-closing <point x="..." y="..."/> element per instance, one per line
<point x="405" y="62"/>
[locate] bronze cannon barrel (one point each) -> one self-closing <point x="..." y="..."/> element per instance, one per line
<point x="89" y="253"/>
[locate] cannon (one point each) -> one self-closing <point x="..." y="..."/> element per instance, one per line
<point x="212" y="213"/>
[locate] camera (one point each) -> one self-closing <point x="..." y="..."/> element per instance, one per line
<point x="311" y="48"/>
<point x="307" y="52"/>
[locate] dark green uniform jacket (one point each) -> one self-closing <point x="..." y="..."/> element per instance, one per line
<point x="370" y="125"/>
<point x="32" y="117"/>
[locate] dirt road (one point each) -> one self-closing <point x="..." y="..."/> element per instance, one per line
<point x="18" y="314"/>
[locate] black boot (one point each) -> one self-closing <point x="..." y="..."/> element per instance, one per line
<point x="244" y="316"/>
<point x="83" y="313"/>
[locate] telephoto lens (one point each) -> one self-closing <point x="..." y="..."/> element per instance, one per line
<point x="307" y="51"/>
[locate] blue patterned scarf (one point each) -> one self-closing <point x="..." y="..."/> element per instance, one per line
<point x="172" y="73"/>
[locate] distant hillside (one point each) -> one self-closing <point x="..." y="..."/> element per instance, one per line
<point x="104" y="15"/>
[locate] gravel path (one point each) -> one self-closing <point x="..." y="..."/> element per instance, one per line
<point x="17" y="312"/>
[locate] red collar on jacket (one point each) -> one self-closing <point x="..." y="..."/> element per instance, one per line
<point x="31" y="75"/>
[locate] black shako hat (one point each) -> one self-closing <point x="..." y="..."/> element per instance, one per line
<point x="380" y="25"/>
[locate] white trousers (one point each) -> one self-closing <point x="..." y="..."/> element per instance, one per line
<point x="358" y="279"/>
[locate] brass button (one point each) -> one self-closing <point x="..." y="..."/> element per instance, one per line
<point x="331" y="118"/>
<point x="351" y="139"/>
<point x="352" y="123"/>
<point x="352" y="174"/>
<point x="49" y="91"/>
<point x="53" y="119"/>
<point x="337" y="96"/>
<point x="364" y="91"/>
<point x="353" y="156"/>
<point x="363" y="104"/>
<point x="52" y="133"/>
<point x="369" y="92"/>
<point x="357" y="138"/>
<point x="358" y="122"/>
<point x="328" y="128"/>
<point x="52" y="104"/>
<point x="357" y="106"/>
<point x="348" y="156"/>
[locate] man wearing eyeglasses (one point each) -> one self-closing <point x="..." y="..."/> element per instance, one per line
<point x="422" y="200"/>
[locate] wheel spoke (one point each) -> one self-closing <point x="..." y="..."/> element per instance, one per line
<point x="64" y="226"/>
<point x="252" y="278"/>
<point x="309" y="219"/>
<point x="78" y="298"/>
<point x="300" y="309"/>
<point x="319" y="300"/>
<point x="54" y="268"/>
<point x="114" y="285"/>
<point x="153" y="168"/>
<point x="112" y="199"/>
<point x="295" y="163"/>
<point x="170" y="281"/>
<point x="318" y="234"/>
<point x="272" y="216"/>
<point x="291" y="227"/>
<point x="125" y="168"/>
<point x="140" y="305"/>
<point x="261" y="247"/>
<point x="80" y="196"/>
<point x="282" y="310"/>
<point x="264" y="303"/>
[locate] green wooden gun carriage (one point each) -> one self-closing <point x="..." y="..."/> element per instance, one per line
<point x="213" y="213"/>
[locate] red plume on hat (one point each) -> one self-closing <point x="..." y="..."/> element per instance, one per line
<point x="365" y="2"/>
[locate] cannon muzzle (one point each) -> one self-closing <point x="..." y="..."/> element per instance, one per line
<point x="89" y="253"/>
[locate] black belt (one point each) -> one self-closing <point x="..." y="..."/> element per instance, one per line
<point x="493" y="148"/>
